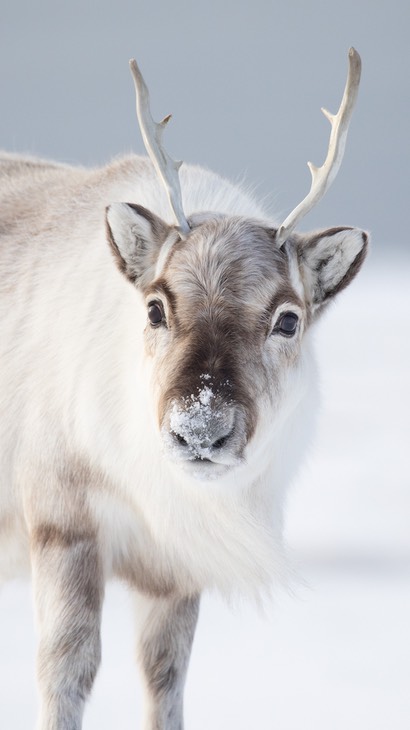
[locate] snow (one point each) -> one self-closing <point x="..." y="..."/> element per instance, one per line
<point x="335" y="652"/>
<point x="192" y="421"/>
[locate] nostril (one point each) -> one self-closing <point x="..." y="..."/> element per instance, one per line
<point x="219" y="443"/>
<point x="181" y="439"/>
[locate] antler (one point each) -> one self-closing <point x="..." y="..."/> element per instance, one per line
<point x="322" y="177"/>
<point x="152" y="132"/>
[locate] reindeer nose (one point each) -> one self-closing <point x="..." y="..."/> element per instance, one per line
<point x="200" y="427"/>
<point x="199" y="443"/>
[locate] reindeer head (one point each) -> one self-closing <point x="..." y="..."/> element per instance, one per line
<point x="228" y="303"/>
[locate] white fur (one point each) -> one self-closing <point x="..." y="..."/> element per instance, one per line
<point x="75" y="378"/>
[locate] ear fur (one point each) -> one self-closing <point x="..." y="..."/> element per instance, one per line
<point x="329" y="261"/>
<point x="135" y="236"/>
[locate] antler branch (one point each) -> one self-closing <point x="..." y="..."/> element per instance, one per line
<point x="322" y="177"/>
<point x="152" y="132"/>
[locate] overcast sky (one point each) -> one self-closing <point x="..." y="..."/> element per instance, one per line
<point x="244" y="80"/>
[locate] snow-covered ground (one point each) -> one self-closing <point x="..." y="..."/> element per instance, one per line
<point x="335" y="653"/>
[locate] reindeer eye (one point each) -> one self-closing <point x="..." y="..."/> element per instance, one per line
<point x="286" y="324"/>
<point x="155" y="314"/>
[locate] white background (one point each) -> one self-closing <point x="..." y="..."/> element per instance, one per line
<point x="245" y="82"/>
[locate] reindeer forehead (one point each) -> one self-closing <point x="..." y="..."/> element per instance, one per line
<point x="228" y="261"/>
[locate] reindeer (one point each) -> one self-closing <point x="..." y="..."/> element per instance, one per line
<point x="158" y="389"/>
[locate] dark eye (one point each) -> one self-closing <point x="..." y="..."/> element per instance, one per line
<point x="155" y="314"/>
<point x="287" y="324"/>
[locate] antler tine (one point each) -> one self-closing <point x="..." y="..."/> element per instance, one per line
<point x="152" y="132"/>
<point x="322" y="177"/>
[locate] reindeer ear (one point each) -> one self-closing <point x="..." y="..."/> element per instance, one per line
<point x="135" y="236"/>
<point x="329" y="261"/>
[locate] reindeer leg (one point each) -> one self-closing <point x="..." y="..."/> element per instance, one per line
<point x="166" y="632"/>
<point x="68" y="589"/>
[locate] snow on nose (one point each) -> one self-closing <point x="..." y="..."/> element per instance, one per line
<point x="201" y="424"/>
